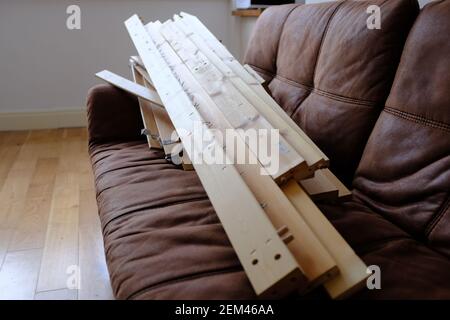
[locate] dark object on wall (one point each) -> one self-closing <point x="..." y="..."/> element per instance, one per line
<point x="263" y="3"/>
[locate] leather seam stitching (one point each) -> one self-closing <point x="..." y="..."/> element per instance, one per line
<point x="324" y="93"/>
<point x="345" y="99"/>
<point x="429" y="229"/>
<point x="322" y="40"/>
<point x="266" y="72"/>
<point x="281" y="33"/>
<point x="418" y="119"/>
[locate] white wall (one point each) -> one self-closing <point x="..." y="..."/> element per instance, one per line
<point x="44" y="66"/>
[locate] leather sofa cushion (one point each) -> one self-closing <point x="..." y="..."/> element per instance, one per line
<point x="329" y="72"/>
<point x="404" y="174"/>
<point x="160" y="229"/>
<point x="163" y="239"/>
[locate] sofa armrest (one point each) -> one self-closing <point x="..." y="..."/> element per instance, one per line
<point x="112" y="114"/>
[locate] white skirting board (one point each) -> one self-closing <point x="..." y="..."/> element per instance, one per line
<point x="10" y="121"/>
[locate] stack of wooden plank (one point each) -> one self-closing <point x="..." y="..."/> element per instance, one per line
<point x="184" y="76"/>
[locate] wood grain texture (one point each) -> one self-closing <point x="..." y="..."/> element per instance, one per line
<point x="240" y="111"/>
<point x="247" y="12"/>
<point x="320" y="187"/>
<point x="31" y="228"/>
<point x="197" y="30"/>
<point x="62" y="294"/>
<point x="352" y="270"/>
<point x="147" y="113"/>
<point x="247" y="227"/>
<point x="19" y="274"/>
<point x="48" y="174"/>
<point x="309" y="253"/>
<point x="130" y="86"/>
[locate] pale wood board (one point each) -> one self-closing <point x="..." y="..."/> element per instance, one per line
<point x="94" y="276"/>
<point x="313" y="258"/>
<point x="250" y="232"/>
<point x="9" y="151"/>
<point x="254" y="74"/>
<point x="27" y="227"/>
<point x="15" y="187"/>
<point x="61" y="243"/>
<point x="31" y="228"/>
<point x="19" y="273"/>
<point x="343" y="192"/>
<point x="197" y="27"/>
<point x="301" y="145"/>
<point x="5" y="236"/>
<point x="240" y="113"/>
<point x="185" y="161"/>
<point x="320" y="187"/>
<point x="61" y="294"/>
<point x="352" y="270"/>
<point x="147" y="114"/>
<point x="129" y="86"/>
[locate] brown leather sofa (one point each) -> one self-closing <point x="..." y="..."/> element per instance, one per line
<point x="378" y="104"/>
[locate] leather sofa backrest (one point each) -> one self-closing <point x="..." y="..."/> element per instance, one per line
<point x="329" y="71"/>
<point x="404" y="173"/>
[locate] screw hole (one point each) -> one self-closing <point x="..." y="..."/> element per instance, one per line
<point x="255" y="261"/>
<point x="277" y="256"/>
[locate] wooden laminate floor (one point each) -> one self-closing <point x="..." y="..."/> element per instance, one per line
<point x="50" y="240"/>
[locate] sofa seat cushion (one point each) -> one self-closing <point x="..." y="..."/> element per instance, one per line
<point x="162" y="236"/>
<point x="163" y="239"/>
<point x="409" y="269"/>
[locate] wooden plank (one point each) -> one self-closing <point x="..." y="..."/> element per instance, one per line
<point x="62" y="294"/>
<point x="28" y="223"/>
<point x="145" y="75"/>
<point x="343" y="192"/>
<point x="138" y="61"/>
<point x="9" y="151"/>
<point x="16" y="186"/>
<point x="268" y="263"/>
<point x="95" y="283"/>
<point x="254" y="74"/>
<point x="32" y="226"/>
<point x="162" y="121"/>
<point x="215" y="45"/>
<point x="129" y="86"/>
<point x="312" y="154"/>
<point x="247" y="12"/>
<point x="352" y="270"/>
<point x="319" y="187"/>
<point x="167" y="135"/>
<point x="186" y="162"/>
<point x="234" y="73"/>
<point x="18" y="274"/>
<point x="5" y="236"/>
<point x="139" y="67"/>
<point x="240" y="113"/>
<point x="310" y="254"/>
<point x="61" y="242"/>
<point x="147" y="114"/>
